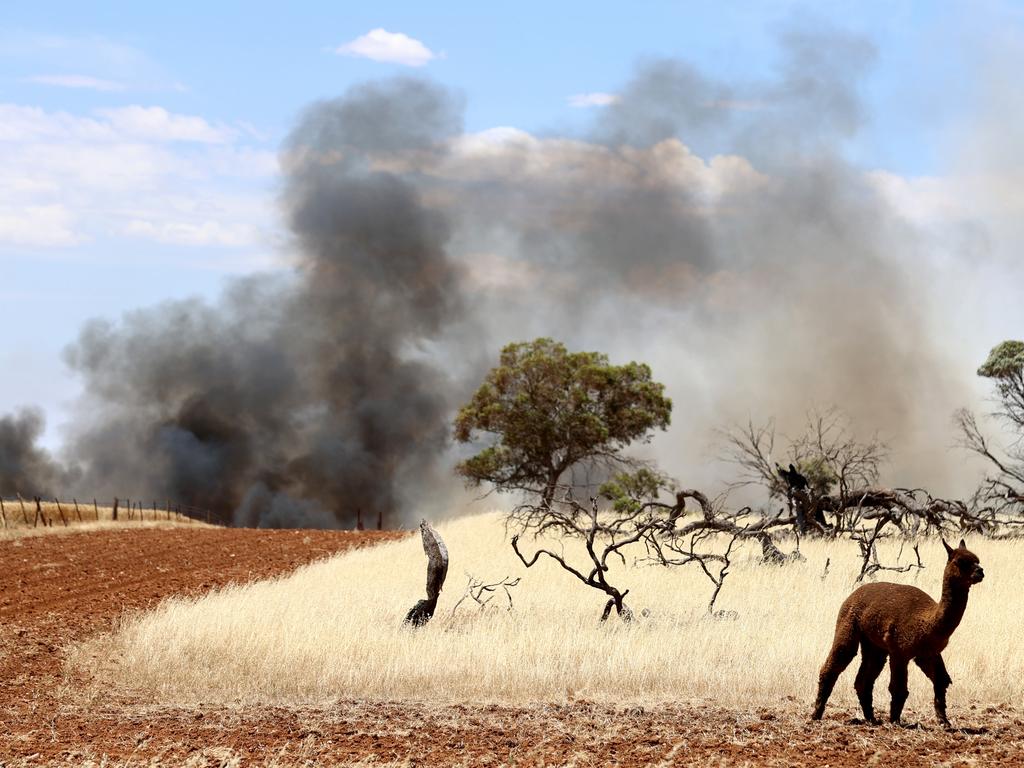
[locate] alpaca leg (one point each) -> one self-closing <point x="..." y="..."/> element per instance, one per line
<point x="844" y="648"/>
<point x="897" y="687"/>
<point x="935" y="669"/>
<point x="872" y="660"/>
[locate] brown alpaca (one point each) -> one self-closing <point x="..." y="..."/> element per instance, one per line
<point x="902" y="623"/>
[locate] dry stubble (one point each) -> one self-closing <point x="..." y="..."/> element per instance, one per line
<point x="333" y="631"/>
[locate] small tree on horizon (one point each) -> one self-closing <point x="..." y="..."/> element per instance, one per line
<point x="548" y="410"/>
<point x="1003" y="489"/>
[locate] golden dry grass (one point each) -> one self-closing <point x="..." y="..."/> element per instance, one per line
<point x="20" y="519"/>
<point x="333" y="630"/>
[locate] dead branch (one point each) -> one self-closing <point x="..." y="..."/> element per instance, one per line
<point x="870" y="565"/>
<point x="604" y="534"/>
<point x="437" y="570"/>
<point x="482" y="593"/>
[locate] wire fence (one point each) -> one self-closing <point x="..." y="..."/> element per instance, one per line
<point x="16" y="511"/>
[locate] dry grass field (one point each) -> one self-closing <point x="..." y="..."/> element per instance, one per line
<point x="21" y="519"/>
<point x="69" y="606"/>
<point x="333" y="631"/>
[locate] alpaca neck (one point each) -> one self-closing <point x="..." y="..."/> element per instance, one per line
<point x="950" y="609"/>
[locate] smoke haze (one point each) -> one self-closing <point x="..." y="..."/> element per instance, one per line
<point x="302" y="400"/>
<point x="26" y="469"/>
<point x="714" y="230"/>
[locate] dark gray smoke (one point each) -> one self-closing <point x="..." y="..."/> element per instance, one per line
<point x="25" y="468"/>
<point x="716" y="230"/>
<point x="300" y="401"/>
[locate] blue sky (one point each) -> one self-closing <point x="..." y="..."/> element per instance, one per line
<point x="138" y="141"/>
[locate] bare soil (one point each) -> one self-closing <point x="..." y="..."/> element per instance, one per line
<point x="58" y="590"/>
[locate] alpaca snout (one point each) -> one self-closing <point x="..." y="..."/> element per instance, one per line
<point x="979" y="575"/>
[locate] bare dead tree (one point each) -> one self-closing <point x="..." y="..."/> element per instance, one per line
<point x="750" y="448"/>
<point x="637" y="514"/>
<point x="692" y="542"/>
<point x="482" y="592"/>
<point x="849" y="462"/>
<point x="867" y="539"/>
<point x="437" y="570"/>
<point x="694" y="547"/>
<point x="604" y="535"/>
<point x="831" y="486"/>
<point x="825" y="456"/>
<point x="1001" y="493"/>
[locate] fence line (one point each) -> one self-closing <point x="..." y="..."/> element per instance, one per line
<point x="39" y="511"/>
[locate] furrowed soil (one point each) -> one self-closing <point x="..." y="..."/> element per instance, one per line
<point x="56" y="591"/>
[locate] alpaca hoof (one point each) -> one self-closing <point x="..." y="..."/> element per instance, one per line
<point x="863" y="721"/>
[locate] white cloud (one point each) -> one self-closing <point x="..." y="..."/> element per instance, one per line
<point x="46" y="226"/>
<point x="132" y="123"/>
<point x="20" y="123"/>
<point x="77" y="81"/>
<point x="201" y="232"/>
<point x="157" y="124"/>
<point x="108" y="62"/>
<point x="392" y="47"/>
<point x="132" y="173"/>
<point x="596" y="99"/>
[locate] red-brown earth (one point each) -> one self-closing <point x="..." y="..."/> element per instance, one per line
<point x="57" y="590"/>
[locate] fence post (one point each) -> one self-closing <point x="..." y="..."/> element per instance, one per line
<point x="380" y="519"/>
<point x="96" y="509"/>
<point x="61" y="510"/>
<point x="77" y="513"/>
<point x="24" y="514"/>
<point x="3" y="512"/>
<point x="114" y="517"/>
<point x="39" y="512"/>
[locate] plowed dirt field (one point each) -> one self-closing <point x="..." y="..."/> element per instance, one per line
<point x="60" y="589"/>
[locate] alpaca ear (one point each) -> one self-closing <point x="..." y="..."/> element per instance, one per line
<point x="949" y="550"/>
<point x="963" y="544"/>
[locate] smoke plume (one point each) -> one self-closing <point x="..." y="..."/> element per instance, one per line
<point x="25" y="468"/>
<point x="304" y="400"/>
<point x="716" y="230"/>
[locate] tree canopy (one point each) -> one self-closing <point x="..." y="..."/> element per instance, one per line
<point x="1004" y="361"/>
<point x="1005" y="366"/>
<point x="548" y="409"/>
<point x="1003" y="489"/>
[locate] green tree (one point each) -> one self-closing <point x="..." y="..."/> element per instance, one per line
<point x="1003" y="489"/>
<point x="548" y="409"/>
<point x="1005" y="367"/>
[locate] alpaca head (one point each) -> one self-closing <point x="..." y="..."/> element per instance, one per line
<point x="962" y="565"/>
